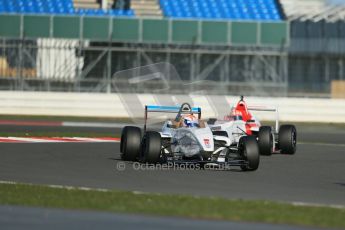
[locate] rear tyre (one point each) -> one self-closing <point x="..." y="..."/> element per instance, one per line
<point x="287" y="139"/>
<point x="250" y="150"/>
<point x="130" y="143"/>
<point x="151" y="147"/>
<point x="265" y="140"/>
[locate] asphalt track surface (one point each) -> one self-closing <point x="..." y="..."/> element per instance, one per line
<point x="315" y="174"/>
<point x="18" y="218"/>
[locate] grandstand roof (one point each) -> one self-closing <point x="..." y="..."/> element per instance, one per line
<point x="314" y="10"/>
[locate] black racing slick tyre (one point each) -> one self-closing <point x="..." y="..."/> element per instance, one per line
<point x="287" y="139"/>
<point x="130" y="143"/>
<point x="265" y="140"/>
<point x="250" y="150"/>
<point x="151" y="147"/>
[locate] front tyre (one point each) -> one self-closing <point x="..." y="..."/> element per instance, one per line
<point x="265" y="140"/>
<point x="287" y="139"/>
<point x="151" y="147"/>
<point x="130" y="143"/>
<point x="250" y="151"/>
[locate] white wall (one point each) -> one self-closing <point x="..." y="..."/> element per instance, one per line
<point x="55" y="61"/>
<point x="110" y="105"/>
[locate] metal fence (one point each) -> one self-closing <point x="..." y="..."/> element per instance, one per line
<point x="80" y="53"/>
<point x="84" y="66"/>
<point x="316" y="55"/>
<point x="57" y="53"/>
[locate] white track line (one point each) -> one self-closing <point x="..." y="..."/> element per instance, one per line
<point x="94" y="124"/>
<point x="55" y="139"/>
<point x="88" y="139"/>
<point x="58" y="186"/>
<point x="28" y="139"/>
<point x="297" y="203"/>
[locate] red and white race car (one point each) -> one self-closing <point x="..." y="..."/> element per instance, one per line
<point x="281" y="139"/>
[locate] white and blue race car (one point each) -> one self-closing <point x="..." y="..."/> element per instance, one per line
<point x="187" y="140"/>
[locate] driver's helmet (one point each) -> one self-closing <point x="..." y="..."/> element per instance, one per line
<point x="190" y="121"/>
<point x="235" y="115"/>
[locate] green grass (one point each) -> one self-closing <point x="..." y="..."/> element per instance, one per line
<point x="172" y="205"/>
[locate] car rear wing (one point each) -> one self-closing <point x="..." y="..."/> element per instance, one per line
<point x="169" y="109"/>
<point x="267" y="109"/>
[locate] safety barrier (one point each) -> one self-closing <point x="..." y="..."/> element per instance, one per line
<point x="114" y="105"/>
